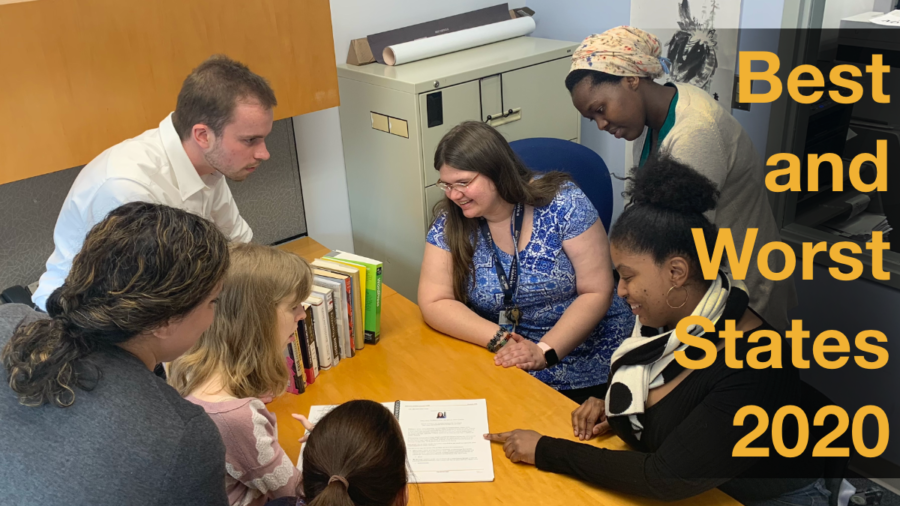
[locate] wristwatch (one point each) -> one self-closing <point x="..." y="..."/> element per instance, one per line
<point x="549" y="354"/>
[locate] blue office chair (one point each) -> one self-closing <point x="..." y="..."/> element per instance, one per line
<point x="587" y="169"/>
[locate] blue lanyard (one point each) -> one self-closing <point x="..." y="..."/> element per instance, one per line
<point x="508" y="285"/>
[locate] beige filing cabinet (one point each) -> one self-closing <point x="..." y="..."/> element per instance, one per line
<point x="392" y="119"/>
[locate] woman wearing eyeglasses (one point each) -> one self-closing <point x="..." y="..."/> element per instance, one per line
<point x="519" y="263"/>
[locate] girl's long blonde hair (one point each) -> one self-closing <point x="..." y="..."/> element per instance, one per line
<point x="241" y="345"/>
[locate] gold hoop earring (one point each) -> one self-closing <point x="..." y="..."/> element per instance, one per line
<point x="682" y="302"/>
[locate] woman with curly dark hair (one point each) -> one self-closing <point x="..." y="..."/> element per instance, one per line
<point x="84" y="418"/>
<point x="680" y="421"/>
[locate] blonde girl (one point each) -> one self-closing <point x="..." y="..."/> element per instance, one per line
<point x="239" y="361"/>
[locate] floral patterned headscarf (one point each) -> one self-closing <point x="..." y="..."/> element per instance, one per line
<point x="621" y="51"/>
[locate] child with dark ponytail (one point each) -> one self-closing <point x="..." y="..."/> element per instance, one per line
<point x="354" y="456"/>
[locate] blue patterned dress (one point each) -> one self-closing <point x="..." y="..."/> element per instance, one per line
<point x="547" y="288"/>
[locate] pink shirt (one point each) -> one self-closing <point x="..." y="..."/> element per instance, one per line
<point x="258" y="469"/>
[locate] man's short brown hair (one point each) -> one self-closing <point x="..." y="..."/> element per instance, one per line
<point x="211" y="92"/>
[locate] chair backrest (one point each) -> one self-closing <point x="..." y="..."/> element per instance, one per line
<point x="587" y="169"/>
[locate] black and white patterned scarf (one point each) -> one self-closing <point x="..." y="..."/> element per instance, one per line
<point x="646" y="360"/>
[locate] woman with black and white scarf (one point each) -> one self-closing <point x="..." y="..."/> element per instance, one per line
<point x="679" y="421"/>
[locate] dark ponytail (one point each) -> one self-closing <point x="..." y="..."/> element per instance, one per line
<point x="667" y="200"/>
<point x="41" y="361"/>
<point x="142" y="266"/>
<point x="334" y="494"/>
<point x="359" y="442"/>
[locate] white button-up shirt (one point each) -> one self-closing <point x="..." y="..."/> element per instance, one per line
<point x="152" y="167"/>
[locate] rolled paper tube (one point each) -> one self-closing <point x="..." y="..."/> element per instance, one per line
<point x="420" y="49"/>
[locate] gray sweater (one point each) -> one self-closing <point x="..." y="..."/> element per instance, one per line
<point x="712" y="142"/>
<point x="131" y="440"/>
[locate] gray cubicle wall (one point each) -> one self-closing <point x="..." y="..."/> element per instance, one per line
<point x="270" y="200"/>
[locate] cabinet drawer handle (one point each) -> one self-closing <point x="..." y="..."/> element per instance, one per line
<point x="505" y="117"/>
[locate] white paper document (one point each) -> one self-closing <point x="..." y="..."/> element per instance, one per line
<point x="444" y="439"/>
<point x="890" y="19"/>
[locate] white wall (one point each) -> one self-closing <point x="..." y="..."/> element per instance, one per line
<point x="319" y="145"/>
<point x="321" y="158"/>
<point x="757" y="24"/>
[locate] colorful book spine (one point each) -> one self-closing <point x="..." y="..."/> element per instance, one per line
<point x="292" y="380"/>
<point x="297" y="357"/>
<point x="335" y="333"/>
<point x="341" y="309"/>
<point x="320" y="325"/>
<point x="373" y="290"/>
<point x="330" y="322"/>
<point x="348" y="294"/>
<point x="345" y="285"/>
<point x="357" y="277"/>
<point x="362" y="285"/>
<point x="308" y="346"/>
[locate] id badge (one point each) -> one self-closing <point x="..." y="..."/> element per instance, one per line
<point x="505" y="322"/>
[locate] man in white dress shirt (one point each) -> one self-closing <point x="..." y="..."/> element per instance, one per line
<point x="218" y="130"/>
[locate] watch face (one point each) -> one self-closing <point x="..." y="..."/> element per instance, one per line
<point x="551" y="358"/>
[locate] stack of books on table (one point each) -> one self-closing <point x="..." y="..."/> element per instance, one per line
<point x="343" y="314"/>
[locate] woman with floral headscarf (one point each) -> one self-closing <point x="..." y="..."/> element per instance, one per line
<point x="612" y="84"/>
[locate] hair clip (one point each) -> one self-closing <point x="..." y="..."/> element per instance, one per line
<point x="665" y="62"/>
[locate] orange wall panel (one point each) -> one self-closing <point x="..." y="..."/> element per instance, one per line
<point x="78" y="76"/>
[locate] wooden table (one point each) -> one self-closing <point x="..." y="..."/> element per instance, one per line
<point x="414" y="362"/>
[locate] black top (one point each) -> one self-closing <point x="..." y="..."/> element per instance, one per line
<point x="685" y="448"/>
<point x="130" y="440"/>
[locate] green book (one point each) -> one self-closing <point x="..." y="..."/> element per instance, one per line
<point x="373" y="290"/>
